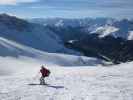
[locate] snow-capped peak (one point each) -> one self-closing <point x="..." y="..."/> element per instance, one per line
<point x="105" y="30"/>
<point x="130" y="35"/>
<point x="59" y="23"/>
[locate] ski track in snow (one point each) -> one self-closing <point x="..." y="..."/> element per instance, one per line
<point x="86" y="83"/>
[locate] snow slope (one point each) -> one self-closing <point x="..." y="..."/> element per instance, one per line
<point x="68" y="83"/>
<point x="11" y="51"/>
<point x="19" y="77"/>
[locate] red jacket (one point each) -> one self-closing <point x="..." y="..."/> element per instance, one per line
<point x="44" y="72"/>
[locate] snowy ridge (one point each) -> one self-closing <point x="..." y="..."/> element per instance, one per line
<point x="105" y="31"/>
<point x="13" y="49"/>
<point x="59" y="24"/>
<point x="101" y="26"/>
<point x="31" y="34"/>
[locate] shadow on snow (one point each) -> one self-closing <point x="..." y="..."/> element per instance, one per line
<point x="48" y="85"/>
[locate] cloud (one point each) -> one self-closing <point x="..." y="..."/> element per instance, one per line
<point x="14" y="2"/>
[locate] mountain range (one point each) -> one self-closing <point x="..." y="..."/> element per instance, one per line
<point x="30" y="34"/>
<point x="26" y="46"/>
<point x="101" y="26"/>
<point x="106" y="38"/>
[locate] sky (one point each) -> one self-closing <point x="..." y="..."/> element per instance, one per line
<point x="68" y="8"/>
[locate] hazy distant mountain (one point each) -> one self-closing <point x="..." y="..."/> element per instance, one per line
<point x="101" y="26"/>
<point x="30" y="34"/>
<point x="105" y="38"/>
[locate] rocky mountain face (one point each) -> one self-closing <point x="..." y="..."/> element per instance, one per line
<point x="30" y="34"/>
<point x="105" y="38"/>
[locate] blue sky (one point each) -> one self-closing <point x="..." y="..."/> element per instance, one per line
<point x="68" y="8"/>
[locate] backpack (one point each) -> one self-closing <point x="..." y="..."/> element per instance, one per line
<point x="47" y="72"/>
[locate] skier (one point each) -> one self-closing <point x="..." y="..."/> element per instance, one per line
<point x="44" y="73"/>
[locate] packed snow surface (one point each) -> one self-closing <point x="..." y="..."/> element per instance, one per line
<point x="72" y="77"/>
<point x="65" y="83"/>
